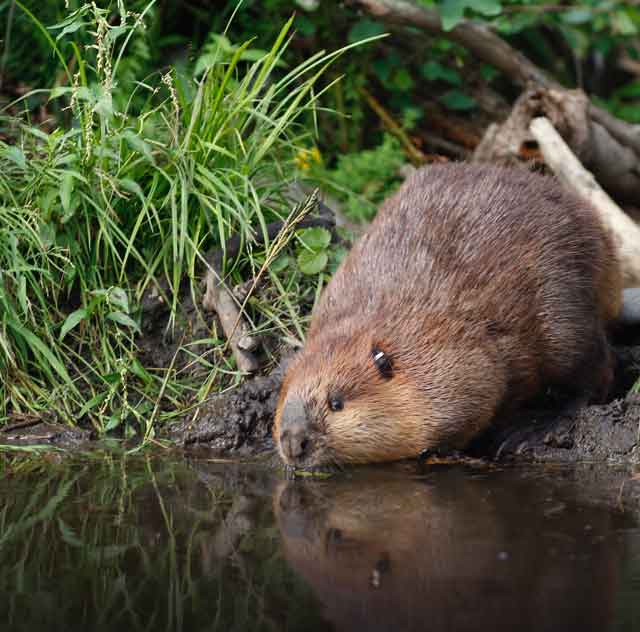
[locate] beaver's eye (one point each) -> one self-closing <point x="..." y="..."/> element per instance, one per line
<point x="336" y="403"/>
<point x="382" y="362"/>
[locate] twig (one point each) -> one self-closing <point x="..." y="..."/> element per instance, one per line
<point x="414" y="154"/>
<point x="218" y="299"/>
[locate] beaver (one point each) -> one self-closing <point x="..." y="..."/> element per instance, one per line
<point x="387" y="550"/>
<point x="474" y="288"/>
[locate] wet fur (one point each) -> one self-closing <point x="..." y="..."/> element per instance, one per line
<point x="482" y="285"/>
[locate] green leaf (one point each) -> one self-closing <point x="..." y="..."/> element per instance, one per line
<point x="489" y="73"/>
<point x="104" y="106"/>
<point x="138" y="144"/>
<point x="434" y="71"/>
<point x="22" y="295"/>
<point x="38" y="346"/>
<point x="305" y="26"/>
<point x="312" y="262"/>
<point x="456" y="100"/>
<point x="72" y="320"/>
<point x="58" y="91"/>
<point x="139" y="371"/>
<point x="630" y="90"/>
<point x="452" y="11"/>
<point x="68" y="535"/>
<point x="280" y="263"/>
<point x="132" y="186"/>
<point x="402" y="80"/>
<point x="363" y="29"/>
<point x="622" y="23"/>
<point x="66" y="189"/>
<point x="485" y="7"/>
<point x="315" y="239"/>
<point x="112" y="378"/>
<point x="253" y="54"/>
<point x="119" y="298"/>
<point x="71" y="24"/>
<point x="123" y="319"/>
<point x="16" y="155"/>
<point x="92" y="403"/>
<point x="580" y="15"/>
<point x="114" y="422"/>
<point x="630" y="113"/>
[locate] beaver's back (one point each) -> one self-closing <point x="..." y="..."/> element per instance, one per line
<point x="490" y="249"/>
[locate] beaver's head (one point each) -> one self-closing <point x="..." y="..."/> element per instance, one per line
<point x="349" y="399"/>
<point x="360" y="397"/>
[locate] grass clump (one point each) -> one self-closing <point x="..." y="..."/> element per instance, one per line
<point x="98" y="206"/>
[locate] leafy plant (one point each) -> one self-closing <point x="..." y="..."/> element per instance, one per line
<point x="95" y="212"/>
<point x="361" y="180"/>
<point x="313" y="254"/>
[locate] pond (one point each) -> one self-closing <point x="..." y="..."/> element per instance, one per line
<point x="175" y="542"/>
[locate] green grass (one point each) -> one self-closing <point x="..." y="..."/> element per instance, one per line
<point x="104" y="200"/>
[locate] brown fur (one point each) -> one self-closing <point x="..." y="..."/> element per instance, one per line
<point x="482" y="285"/>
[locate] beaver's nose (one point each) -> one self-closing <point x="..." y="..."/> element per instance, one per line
<point x="295" y="431"/>
<point x="295" y="443"/>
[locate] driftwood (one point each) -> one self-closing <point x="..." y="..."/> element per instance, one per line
<point x="610" y="148"/>
<point x="562" y="161"/>
<point x="219" y="299"/>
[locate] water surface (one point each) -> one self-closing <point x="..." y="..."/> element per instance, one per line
<point x="175" y="543"/>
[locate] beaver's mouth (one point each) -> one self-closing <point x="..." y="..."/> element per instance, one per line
<point x="316" y="460"/>
<point x="318" y="470"/>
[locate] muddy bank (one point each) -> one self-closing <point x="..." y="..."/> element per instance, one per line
<point x="239" y="423"/>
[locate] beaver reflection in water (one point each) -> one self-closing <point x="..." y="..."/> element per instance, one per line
<point x="456" y="552"/>
<point x="473" y="288"/>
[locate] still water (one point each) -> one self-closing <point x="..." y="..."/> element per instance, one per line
<point x="179" y="543"/>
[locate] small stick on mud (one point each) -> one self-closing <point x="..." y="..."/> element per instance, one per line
<point x="220" y="300"/>
<point x="568" y="169"/>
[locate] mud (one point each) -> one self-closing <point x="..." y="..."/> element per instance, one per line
<point x="234" y="423"/>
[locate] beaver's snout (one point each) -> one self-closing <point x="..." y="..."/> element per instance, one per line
<point x="296" y="432"/>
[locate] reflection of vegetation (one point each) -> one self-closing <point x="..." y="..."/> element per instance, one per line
<point x="144" y="545"/>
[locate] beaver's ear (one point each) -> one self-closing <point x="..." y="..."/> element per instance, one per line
<point x="382" y="362"/>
